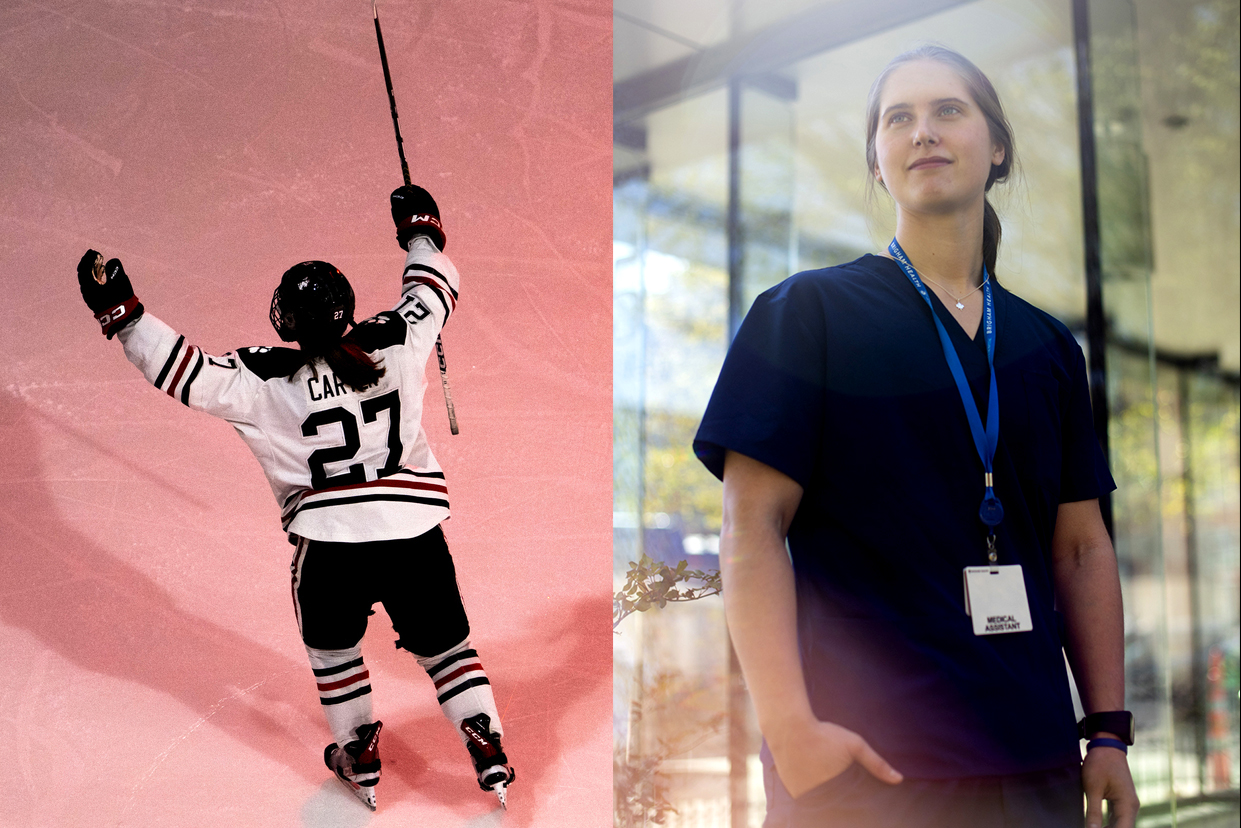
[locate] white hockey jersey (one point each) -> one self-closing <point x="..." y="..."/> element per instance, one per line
<point x="344" y="465"/>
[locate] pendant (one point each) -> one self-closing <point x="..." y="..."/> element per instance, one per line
<point x="960" y="306"/>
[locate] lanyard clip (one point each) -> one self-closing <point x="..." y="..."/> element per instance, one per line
<point x="992" y="557"/>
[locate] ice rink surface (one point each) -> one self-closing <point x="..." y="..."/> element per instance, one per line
<point x="153" y="673"/>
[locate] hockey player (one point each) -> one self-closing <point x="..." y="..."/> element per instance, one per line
<point x="336" y="426"/>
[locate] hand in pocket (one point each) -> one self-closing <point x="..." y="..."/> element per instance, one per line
<point x="809" y="756"/>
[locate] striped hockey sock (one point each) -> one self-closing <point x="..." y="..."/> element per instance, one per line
<point x="344" y="690"/>
<point x="461" y="686"/>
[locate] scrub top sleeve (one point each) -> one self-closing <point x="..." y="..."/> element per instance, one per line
<point x="768" y="402"/>
<point x="1085" y="474"/>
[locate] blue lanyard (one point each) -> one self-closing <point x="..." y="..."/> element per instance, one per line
<point x="985" y="439"/>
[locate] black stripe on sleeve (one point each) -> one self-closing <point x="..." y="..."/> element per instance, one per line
<point x="339" y="668"/>
<point x="460" y="688"/>
<point x="452" y="659"/>
<point x="433" y="272"/>
<point x="439" y="294"/>
<point x="172" y="358"/>
<point x="185" y="389"/>
<point x="361" y="691"/>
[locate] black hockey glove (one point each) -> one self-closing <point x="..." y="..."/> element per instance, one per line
<point x="107" y="292"/>
<point x="415" y="213"/>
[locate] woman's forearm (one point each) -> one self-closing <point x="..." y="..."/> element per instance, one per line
<point x="760" y="601"/>
<point x="1088" y="594"/>
<point x="760" y="604"/>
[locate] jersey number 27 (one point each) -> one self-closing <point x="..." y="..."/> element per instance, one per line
<point x="356" y="473"/>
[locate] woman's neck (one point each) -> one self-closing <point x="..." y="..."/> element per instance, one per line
<point x="945" y="247"/>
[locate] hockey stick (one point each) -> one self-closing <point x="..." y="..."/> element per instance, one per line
<point x="400" y="148"/>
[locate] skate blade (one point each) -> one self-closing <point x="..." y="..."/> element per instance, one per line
<point x="501" y="792"/>
<point x="365" y="795"/>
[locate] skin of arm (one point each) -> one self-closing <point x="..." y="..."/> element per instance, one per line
<point x="760" y="604"/>
<point x="1088" y="593"/>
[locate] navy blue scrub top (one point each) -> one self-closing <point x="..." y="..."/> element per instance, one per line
<point x="837" y="379"/>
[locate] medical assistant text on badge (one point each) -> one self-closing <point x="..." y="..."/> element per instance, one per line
<point x="995" y="597"/>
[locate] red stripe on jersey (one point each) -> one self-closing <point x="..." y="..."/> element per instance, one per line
<point x="172" y="386"/>
<point x="430" y="282"/>
<point x="385" y="482"/>
<point x="295" y="501"/>
<point x="345" y="682"/>
<point x="427" y="278"/>
<point x="458" y="673"/>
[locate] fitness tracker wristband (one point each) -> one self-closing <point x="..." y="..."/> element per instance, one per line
<point x="1112" y="743"/>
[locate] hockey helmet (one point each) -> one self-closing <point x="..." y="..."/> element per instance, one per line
<point x="314" y="302"/>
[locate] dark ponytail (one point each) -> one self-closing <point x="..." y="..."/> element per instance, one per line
<point x="991" y="233"/>
<point x="988" y="102"/>
<point x="351" y="365"/>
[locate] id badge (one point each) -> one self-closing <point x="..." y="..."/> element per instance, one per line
<point x="995" y="598"/>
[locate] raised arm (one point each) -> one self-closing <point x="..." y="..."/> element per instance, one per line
<point x="420" y="233"/>
<point x="1088" y="593"/>
<point x="760" y="604"/>
<point x="181" y="370"/>
<point x="429" y="283"/>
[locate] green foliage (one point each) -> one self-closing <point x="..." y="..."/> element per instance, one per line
<point x="650" y="583"/>
<point x="676" y="483"/>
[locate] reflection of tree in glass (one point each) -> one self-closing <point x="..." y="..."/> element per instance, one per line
<point x="685" y="321"/>
<point x="1215" y="421"/>
<point x="1133" y="463"/>
<point x="640" y="788"/>
<point x="676" y="483"/>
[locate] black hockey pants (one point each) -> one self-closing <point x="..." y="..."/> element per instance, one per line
<point x="336" y="584"/>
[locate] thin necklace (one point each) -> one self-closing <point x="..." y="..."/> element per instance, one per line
<point x="959" y="299"/>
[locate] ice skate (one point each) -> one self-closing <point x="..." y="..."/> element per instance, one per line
<point x="494" y="773"/>
<point x="356" y="765"/>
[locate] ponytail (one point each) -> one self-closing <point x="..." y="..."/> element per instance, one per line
<point x="351" y="365"/>
<point x="991" y="233"/>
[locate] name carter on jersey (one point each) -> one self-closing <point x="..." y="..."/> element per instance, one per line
<point x="331" y="385"/>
